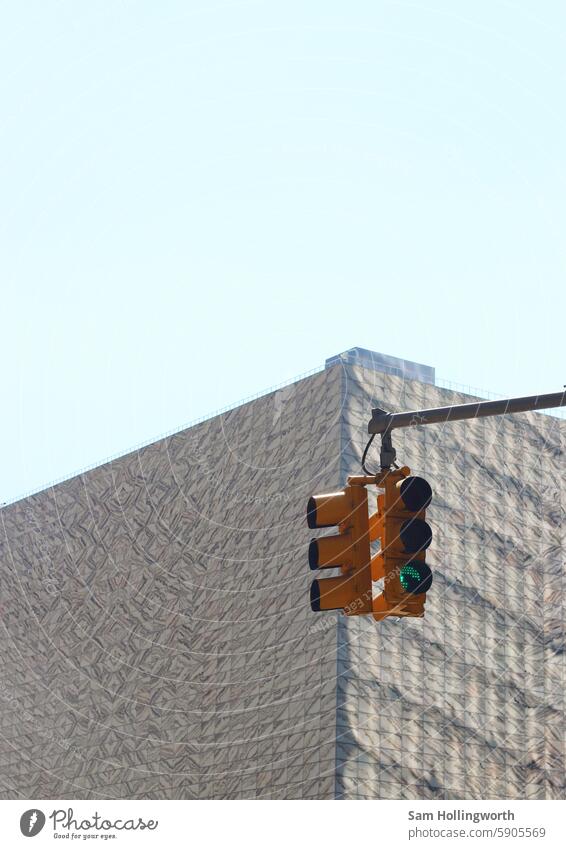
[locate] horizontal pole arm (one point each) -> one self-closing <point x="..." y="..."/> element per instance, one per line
<point x="383" y="422"/>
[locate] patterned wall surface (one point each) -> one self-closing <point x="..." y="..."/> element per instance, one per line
<point x="469" y="702"/>
<point x="157" y="640"/>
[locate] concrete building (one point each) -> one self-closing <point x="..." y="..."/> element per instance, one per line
<point x="157" y="639"/>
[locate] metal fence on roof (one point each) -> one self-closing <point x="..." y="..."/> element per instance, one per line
<point x="442" y="383"/>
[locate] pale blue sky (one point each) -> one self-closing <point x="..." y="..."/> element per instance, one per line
<point x="200" y="200"/>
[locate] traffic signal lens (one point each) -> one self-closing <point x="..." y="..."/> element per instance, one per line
<point x="313" y="554"/>
<point x="415" y="535"/>
<point x="315" y="597"/>
<point x="415" y="493"/>
<point x="415" y="578"/>
<point x="311" y="513"/>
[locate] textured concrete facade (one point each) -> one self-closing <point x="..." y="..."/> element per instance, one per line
<point x="469" y="702"/>
<point x="158" y="641"/>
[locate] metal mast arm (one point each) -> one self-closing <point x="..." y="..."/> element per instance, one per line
<point x="382" y="422"/>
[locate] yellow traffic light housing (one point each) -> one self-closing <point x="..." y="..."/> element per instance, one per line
<point x="400" y="526"/>
<point x="348" y="550"/>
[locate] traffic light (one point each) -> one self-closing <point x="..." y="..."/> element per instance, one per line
<point x="404" y="534"/>
<point x="348" y="550"/>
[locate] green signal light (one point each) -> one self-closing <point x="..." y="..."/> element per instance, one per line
<point x="409" y="576"/>
<point x="415" y="578"/>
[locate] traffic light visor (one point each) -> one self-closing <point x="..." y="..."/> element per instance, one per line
<point x="332" y="594"/>
<point x="324" y="511"/>
<point x="331" y="551"/>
